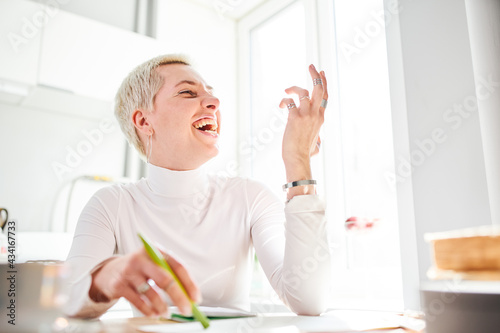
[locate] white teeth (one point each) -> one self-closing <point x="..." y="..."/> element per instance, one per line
<point x="203" y="122"/>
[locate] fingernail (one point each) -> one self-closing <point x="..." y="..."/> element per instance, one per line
<point x="323" y="72"/>
<point x="312" y="66"/>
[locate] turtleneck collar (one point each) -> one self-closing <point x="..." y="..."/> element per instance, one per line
<point x="177" y="183"/>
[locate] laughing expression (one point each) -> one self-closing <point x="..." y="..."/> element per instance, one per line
<point x="185" y="120"/>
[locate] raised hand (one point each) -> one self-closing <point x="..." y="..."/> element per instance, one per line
<point x="301" y="138"/>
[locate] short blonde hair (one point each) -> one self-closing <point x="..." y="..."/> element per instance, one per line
<point x="138" y="91"/>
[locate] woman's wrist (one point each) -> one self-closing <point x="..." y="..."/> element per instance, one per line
<point x="299" y="170"/>
<point x="299" y="183"/>
<point x="300" y="190"/>
<point x="95" y="294"/>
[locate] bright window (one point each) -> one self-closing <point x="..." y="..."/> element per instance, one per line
<point x="372" y="261"/>
<point x="277" y="43"/>
<point x="278" y="60"/>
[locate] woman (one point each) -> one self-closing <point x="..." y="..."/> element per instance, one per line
<point x="206" y="225"/>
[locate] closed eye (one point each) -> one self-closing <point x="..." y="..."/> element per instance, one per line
<point x="187" y="92"/>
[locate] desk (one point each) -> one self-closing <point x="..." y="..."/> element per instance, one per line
<point x="131" y="325"/>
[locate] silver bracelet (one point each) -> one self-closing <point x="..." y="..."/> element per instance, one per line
<point x="299" y="183"/>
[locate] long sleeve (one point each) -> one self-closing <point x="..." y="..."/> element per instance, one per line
<point x="93" y="243"/>
<point x="293" y="249"/>
<point x="210" y="225"/>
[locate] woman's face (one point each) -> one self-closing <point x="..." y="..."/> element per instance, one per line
<point x="185" y="120"/>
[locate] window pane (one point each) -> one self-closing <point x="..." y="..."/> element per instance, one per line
<point x="372" y="255"/>
<point x="367" y="272"/>
<point x="278" y="60"/>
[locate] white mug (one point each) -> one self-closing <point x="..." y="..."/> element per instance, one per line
<point x="32" y="296"/>
<point x="4" y="244"/>
<point x="3" y="221"/>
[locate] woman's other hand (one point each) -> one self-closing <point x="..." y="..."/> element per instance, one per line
<point x="128" y="277"/>
<point x="301" y="138"/>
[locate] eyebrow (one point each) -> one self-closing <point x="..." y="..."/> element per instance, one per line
<point x="193" y="84"/>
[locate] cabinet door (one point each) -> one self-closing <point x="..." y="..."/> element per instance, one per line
<point x="21" y="25"/>
<point x="90" y="58"/>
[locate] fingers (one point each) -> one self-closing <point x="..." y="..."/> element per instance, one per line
<point x="287" y="103"/>
<point x="139" y="281"/>
<point x="155" y="300"/>
<point x="179" y="298"/>
<point x="186" y="279"/>
<point x="165" y="281"/>
<point x="316" y="146"/>
<point x="303" y="94"/>
<point x="298" y="91"/>
<point x="124" y="280"/>
<point x="129" y="277"/>
<point x="175" y="292"/>
<point x="135" y="298"/>
<point x="317" y="93"/>
<point x="325" y="85"/>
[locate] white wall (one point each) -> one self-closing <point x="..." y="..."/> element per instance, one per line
<point x="32" y="139"/>
<point x="51" y="136"/>
<point x="41" y="151"/>
<point x="483" y="19"/>
<point x="431" y="74"/>
<point x="210" y="41"/>
<point x="119" y="13"/>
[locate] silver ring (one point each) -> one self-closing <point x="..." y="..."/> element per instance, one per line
<point x="324" y="103"/>
<point x="317" y="81"/>
<point x="304" y="97"/>
<point x="291" y="106"/>
<point x="143" y="288"/>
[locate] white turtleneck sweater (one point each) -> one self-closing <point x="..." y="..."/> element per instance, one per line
<point x="212" y="225"/>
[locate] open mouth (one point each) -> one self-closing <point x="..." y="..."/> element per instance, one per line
<point x="206" y="125"/>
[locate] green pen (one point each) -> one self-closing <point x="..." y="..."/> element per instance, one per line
<point x="158" y="258"/>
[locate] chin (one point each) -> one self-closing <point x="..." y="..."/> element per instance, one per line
<point x="208" y="155"/>
<point x="214" y="151"/>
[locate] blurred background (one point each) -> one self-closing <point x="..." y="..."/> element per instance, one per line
<point x="392" y="155"/>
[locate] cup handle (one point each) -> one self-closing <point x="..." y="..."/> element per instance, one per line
<point x="3" y="222"/>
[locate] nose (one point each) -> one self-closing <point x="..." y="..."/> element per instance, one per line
<point x="211" y="102"/>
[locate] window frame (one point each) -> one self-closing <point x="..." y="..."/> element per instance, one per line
<point x="322" y="48"/>
<point x="245" y="25"/>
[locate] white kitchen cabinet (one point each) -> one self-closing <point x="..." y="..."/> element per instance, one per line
<point x="20" y="27"/>
<point x="90" y="58"/>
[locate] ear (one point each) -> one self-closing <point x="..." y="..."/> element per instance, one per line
<point x="141" y="122"/>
